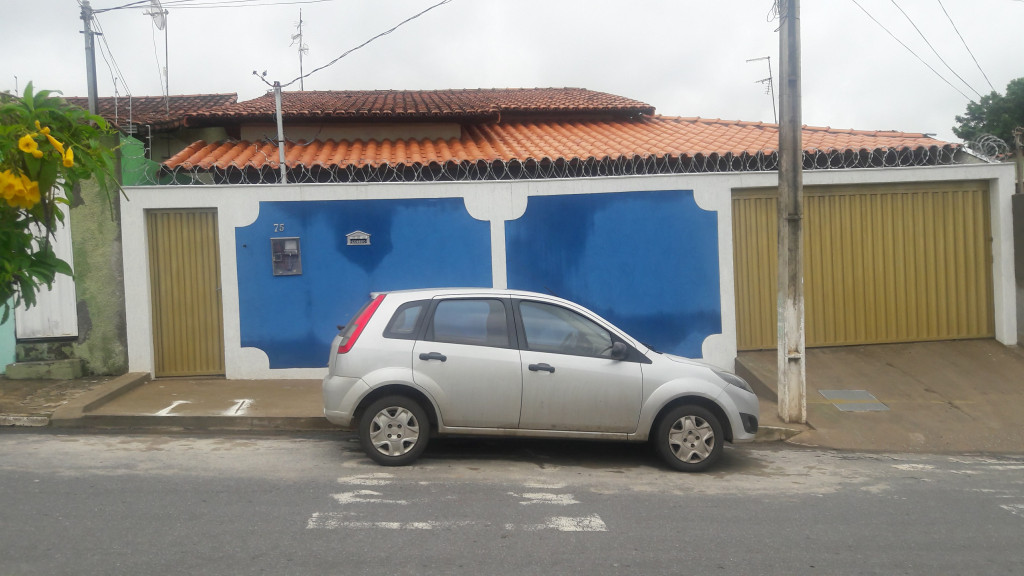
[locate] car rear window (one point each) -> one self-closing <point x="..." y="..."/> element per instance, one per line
<point x="406" y="321"/>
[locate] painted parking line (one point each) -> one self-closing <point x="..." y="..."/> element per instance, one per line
<point x="175" y="404"/>
<point x="240" y="407"/>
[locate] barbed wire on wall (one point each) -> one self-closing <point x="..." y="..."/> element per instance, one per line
<point x="267" y="172"/>
<point x="989" y="147"/>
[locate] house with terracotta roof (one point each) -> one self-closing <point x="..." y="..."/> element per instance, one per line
<point x="664" y="225"/>
<point x="79" y="324"/>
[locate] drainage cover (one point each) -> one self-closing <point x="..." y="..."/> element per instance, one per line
<point x="853" y="400"/>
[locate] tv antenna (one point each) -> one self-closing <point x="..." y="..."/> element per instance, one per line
<point x="159" y="15"/>
<point x="768" y="82"/>
<point x="303" y="49"/>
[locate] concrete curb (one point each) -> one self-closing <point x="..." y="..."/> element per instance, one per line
<point x="185" y="423"/>
<point x="69" y="414"/>
<point x="23" y="420"/>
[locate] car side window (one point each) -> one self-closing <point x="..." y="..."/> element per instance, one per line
<point x="406" y="321"/>
<point x="561" y="331"/>
<point x="478" y="322"/>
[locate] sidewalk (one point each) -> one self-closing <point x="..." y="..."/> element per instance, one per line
<point x="933" y="397"/>
<point x="936" y="397"/>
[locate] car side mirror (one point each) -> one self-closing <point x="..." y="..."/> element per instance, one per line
<point x="620" y="351"/>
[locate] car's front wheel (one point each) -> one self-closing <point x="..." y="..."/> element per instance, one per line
<point x="689" y="438"/>
<point x="394" y="431"/>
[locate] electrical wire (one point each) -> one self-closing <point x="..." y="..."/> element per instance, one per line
<point x="936" y="72"/>
<point x="347" y="52"/>
<point x="193" y="5"/>
<point x="966" y="46"/>
<point x="934" y="51"/>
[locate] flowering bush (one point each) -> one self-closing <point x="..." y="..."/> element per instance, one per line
<point x="47" y="146"/>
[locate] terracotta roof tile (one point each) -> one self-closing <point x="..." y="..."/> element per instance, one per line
<point x="401" y="105"/>
<point x="656" y="137"/>
<point x="152" y="110"/>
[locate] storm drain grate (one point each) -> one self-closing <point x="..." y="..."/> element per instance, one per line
<point x="853" y="400"/>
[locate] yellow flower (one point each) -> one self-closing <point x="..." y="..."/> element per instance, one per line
<point x="27" y="144"/>
<point x="9" y="184"/>
<point x="19" y="192"/>
<point x="69" y="158"/>
<point x="31" y="190"/>
<point x="57" y="144"/>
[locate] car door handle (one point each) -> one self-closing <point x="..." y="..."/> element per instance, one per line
<point x="542" y="368"/>
<point x="433" y="356"/>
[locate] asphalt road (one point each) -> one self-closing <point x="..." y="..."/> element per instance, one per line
<point x="178" y="504"/>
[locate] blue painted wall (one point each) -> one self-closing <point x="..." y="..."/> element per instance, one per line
<point x="646" y="261"/>
<point x="418" y="243"/>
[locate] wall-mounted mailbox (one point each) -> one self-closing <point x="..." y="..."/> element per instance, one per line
<point x="358" y="238"/>
<point x="287" y="256"/>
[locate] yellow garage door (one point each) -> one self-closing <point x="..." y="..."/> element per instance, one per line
<point x="895" y="264"/>
<point x="184" y="270"/>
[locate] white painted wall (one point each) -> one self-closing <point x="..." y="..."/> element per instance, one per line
<point x="498" y="202"/>
<point x="55" y="314"/>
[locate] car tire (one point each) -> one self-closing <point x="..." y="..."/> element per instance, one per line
<point x="689" y="438"/>
<point x="394" y="431"/>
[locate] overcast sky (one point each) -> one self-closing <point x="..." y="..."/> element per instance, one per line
<point x="685" y="57"/>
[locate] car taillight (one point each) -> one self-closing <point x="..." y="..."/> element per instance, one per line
<point x="358" y="324"/>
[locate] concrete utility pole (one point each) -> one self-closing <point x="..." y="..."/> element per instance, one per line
<point x="90" y="54"/>
<point x="280" y="133"/>
<point x="792" y="387"/>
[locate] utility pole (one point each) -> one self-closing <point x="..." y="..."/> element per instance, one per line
<point x="792" y="388"/>
<point x="280" y="133"/>
<point x="90" y="55"/>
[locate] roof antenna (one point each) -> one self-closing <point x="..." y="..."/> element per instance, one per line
<point x="160" y="21"/>
<point x="303" y="49"/>
<point x="770" y="85"/>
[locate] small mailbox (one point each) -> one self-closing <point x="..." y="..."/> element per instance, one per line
<point x="358" y="238"/>
<point x="286" y="255"/>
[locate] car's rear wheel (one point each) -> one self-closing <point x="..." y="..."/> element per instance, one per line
<point x="689" y="438"/>
<point x="394" y="431"/>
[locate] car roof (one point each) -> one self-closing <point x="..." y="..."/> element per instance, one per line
<point x="430" y="292"/>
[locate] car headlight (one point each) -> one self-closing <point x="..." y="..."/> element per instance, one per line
<point x="734" y="380"/>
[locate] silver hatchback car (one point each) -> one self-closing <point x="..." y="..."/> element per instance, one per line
<point x="486" y="362"/>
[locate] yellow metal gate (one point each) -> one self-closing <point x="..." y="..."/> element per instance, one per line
<point x="896" y="264"/>
<point x="184" y="269"/>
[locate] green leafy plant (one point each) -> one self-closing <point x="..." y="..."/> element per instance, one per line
<point x="47" y="147"/>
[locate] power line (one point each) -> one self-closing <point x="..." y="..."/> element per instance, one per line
<point x="966" y="46"/>
<point x="934" y="51"/>
<point x="347" y="52"/>
<point x="936" y="72"/>
<point x="195" y="5"/>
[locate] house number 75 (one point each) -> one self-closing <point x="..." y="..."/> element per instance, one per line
<point x="278" y="227"/>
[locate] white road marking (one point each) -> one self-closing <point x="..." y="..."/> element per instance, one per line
<point x="240" y="407"/>
<point x="546" y="498"/>
<point x="173" y="405"/>
<point x="381" y="479"/>
<point x="1015" y="509"/>
<point x="592" y="523"/>
<point x="363" y="497"/>
<point x="336" y="520"/>
<point x="910" y="467"/>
